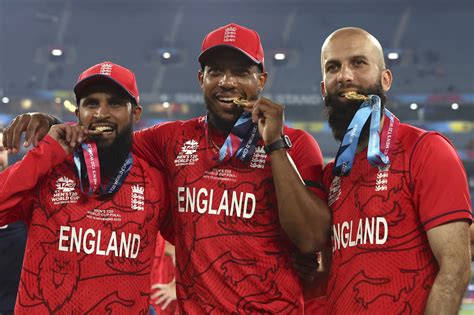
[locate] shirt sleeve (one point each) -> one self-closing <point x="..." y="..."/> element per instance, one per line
<point x="440" y="190"/>
<point x="308" y="159"/>
<point x="18" y="182"/>
<point x="148" y="145"/>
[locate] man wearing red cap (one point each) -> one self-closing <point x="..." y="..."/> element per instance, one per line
<point x="93" y="211"/>
<point x="245" y="189"/>
<point x="234" y="187"/>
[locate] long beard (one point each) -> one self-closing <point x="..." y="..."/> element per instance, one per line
<point x="112" y="156"/>
<point x="340" y="113"/>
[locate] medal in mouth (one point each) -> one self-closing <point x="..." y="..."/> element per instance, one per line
<point x="98" y="130"/>
<point x="354" y="96"/>
<point x="240" y="102"/>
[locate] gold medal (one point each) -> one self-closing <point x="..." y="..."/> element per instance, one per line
<point x="240" y="102"/>
<point x="98" y="130"/>
<point x="354" y="96"/>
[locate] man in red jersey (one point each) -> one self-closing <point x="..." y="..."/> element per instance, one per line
<point x="398" y="195"/>
<point x="243" y="199"/>
<point x="93" y="212"/>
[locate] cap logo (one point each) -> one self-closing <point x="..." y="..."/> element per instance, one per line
<point x="230" y="33"/>
<point x="106" y="69"/>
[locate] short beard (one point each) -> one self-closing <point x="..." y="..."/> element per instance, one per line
<point x="224" y="126"/>
<point x="340" y="114"/>
<point x="112" y="156"/>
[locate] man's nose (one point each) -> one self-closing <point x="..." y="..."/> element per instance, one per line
<point x="102" y="111"/>
<point x="227" y="80"/>
<point x="346" y="74"/>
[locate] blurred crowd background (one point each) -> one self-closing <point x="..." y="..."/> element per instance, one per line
<point x="429" y="45"/>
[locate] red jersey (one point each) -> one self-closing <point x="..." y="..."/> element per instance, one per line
<point x="232" y="254"/>
<point x="381" y="260"/>
<point x="84" y="254"/>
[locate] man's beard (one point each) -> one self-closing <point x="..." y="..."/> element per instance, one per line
<point x="223" y="125"/>
<point x="112" y="156"/>
<point x="340" y="113"/>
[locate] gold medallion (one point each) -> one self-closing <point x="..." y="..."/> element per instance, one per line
<point x="354" y="96"/>
<point x="240" y="102"/>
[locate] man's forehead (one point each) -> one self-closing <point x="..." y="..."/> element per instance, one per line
<point x="346" y="47"/>
<point x="227" y="56"/>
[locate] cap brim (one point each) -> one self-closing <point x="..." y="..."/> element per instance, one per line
<point x="97" y="78"/>
<point x="213" y="48"/>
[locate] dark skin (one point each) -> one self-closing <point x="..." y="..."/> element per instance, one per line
<point x="229" y="74"/>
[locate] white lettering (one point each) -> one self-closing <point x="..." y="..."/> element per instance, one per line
<point x="239" y="204"/>
<point x="91" y="241"/>
<point x="180" y="199"/>
<point x="369" y="231"/>
<point x="62" y="238"/>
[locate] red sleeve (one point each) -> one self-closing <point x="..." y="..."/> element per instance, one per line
<point x="18" y="182"/>
<point x="440" y="190"/>
<point x="148" y="145"/>
<point x="308" y="159"/>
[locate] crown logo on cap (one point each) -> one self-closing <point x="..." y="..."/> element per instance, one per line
<point x="106" y="69"/>
<point x="230" y="33"/>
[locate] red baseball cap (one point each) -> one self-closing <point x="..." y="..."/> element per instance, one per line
<point x="107" y="70"/>
<point x="234" y="36"/>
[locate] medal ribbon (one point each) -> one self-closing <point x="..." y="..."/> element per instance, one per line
<point x="345" y="154"/>
<point x="241" y="140"/>
<point x="91" y="159"/>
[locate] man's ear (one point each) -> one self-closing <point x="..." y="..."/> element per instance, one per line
<point x="386" y="79"/>
<point x="136" y="113"/>
<point x="323" y="89"/>
<point x="262" y="80"/>
<point x="200" y="77"/>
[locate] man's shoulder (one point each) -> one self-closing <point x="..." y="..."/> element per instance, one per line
<point x="179" y="123"/>
<point x="412" y="136"/>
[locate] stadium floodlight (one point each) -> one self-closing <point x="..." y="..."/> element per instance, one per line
<point x="168" y="55"/>
<point x="393" y="56"/>
<point x="279" y="56"/>
<point x="56" y="52"/>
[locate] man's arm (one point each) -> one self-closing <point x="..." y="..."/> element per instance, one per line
<point x="304" y="216"/>
<point x="18" y="181"/>
<point x="471" y="232"/>
<point x="450" y="244"/>
<point x="35" y="125"/>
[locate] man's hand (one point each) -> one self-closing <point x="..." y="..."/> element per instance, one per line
<point x="269" y="116"/>
<point x="306" y="265"/>
<point x="164" y="293"/>
<point x="35" y="126"/>
<point x="68" y="136"/>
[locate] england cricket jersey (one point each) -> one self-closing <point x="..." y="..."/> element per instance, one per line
<point x="381" y="260"/>
<point x="84" y="254"/>
<point x="232" y="255"/>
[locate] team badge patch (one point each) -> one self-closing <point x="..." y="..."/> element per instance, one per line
<point x="65" y="191"/>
